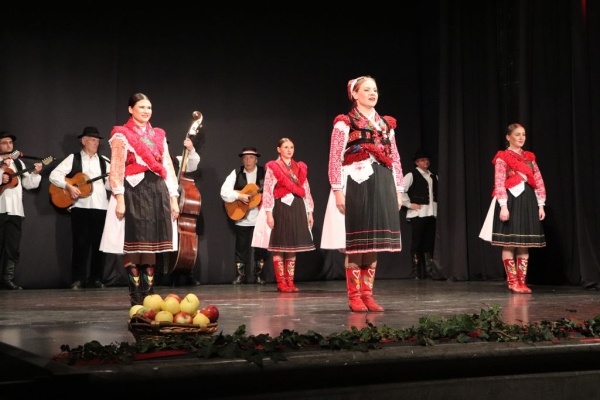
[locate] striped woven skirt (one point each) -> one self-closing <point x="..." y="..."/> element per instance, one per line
<point x="523" y="228"/>
<point x="291" y="232"/>
<point x="372" y="217"/>
<point x="148" y="225"/>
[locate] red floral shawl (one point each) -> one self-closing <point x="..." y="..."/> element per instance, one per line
<point x="150" y="153"/>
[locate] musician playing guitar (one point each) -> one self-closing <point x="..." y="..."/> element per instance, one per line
<point x="11" y="208"/>
<point x="232" y="191"/>
<point x="88" y="210"/>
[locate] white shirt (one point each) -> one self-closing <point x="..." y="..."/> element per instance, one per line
<point x="90" y="166"/>
<point x="426" y="210"/>
<point x="228" y="194"/>
<point x="11" y="199"/>
<point x="192" y="161"/>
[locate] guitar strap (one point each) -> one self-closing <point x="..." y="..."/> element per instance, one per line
<point x="19" y="168"/>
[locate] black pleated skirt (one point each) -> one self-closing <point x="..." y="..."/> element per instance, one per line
<point x="148" y="225"/>
<point x="523" y="228"/>
<point x="291" y="232"/>
<point x="372" y="219"/>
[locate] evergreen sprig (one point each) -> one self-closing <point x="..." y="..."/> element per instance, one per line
<point x="488" y="326"/>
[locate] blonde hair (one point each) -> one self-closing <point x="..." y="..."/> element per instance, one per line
<point x="283" y="140"/>
<point x="356" y="83"/>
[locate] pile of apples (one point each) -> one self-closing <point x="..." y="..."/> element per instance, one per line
<point x="175" y="309"/>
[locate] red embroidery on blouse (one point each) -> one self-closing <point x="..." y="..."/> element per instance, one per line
<point x="386" y="154"/>
<point x="152" y="157"/>
<point x="274" y="177"/>
<point x="284" y="184"/>
<point x="508" y="164"/>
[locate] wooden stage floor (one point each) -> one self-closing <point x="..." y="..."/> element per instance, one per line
<point x="35" y="323"/>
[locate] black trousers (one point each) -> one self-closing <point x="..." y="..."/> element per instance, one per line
<point x="423" y="234"/>
<point x="243" y="241"/>
<point x="86" y="228"/>
<point x="10" y="239"/>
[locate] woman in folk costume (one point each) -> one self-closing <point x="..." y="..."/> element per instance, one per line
<point x="285" y="220"/>
<point x="144" y="207"/>
<point x="367" y="183"/>
<point x="514" y="218"/>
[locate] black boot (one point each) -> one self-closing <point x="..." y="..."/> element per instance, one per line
<point x="416" y="260"/>
<point x="258" y="268"/>
<point x="191" y="280"/>
<point x="421" y="267"/>
<point x="134" y="279"/>
<point x="428" y="259"/>
<point x="9" y="274"/>
<point x="241" y="273"/>
<point x="147" y="279"/>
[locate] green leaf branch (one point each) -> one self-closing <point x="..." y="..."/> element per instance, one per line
<point x="488" y="326"/>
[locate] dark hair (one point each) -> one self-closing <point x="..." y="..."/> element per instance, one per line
<point x="137" y="97"/>
<point x="511" y="128"/>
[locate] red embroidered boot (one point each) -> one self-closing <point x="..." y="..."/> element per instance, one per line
<point x="290" y="267"/>
<point x="366" y="290"/>
<point x="280" y="275"/>
<point x="511" y="274"/>
<point x="353" y="283"/>
<point x="134" y="278"/>
<point x="522" y="275"/>
<point x="147" y="279"/>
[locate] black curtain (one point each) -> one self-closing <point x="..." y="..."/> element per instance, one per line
<point x="453" y="74"/>
<point x="536" y="63"/>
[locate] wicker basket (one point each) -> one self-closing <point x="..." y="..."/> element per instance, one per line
<point x="145" y="329"/>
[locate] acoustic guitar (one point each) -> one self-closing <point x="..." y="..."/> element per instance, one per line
<point x="237" y="209"/>
<point x="14" y="175"/>
<point x="61" y="197"/>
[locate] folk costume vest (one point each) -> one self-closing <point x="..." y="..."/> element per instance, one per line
<point x="364" y="139"/>
<point x="419" y="190"/>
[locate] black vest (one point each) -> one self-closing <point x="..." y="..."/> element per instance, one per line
<point x="419" y="190"/>
<point x="241" y="180"/>
<point x="76" y="168"/>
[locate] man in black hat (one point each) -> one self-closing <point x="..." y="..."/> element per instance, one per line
<point x="11" y="207"/>
<point x="241" y="187"/>
<point x="420" y="198"/>
<point x="89" y="202"/>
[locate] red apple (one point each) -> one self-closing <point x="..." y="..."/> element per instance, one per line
<point x="147" y="312"/>
<point x="183" y="317"/>
<point x="212" y="312"/>
<point x="175" y="296"/>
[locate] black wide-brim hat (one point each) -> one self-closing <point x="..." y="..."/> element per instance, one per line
<point x="7" y="135"/>
<point x="420" y="154"/>
<point x="249" y="151"/>
<point x="90" y="131"/>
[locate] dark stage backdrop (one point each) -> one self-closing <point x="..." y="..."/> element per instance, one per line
<point x="454" y="74"/>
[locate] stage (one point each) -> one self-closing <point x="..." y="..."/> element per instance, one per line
<point x="35" y="323"/>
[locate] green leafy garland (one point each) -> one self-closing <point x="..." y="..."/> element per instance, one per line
<point x="463" y="328"/>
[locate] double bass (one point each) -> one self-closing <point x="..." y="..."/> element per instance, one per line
<point x="190" y="201"/>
